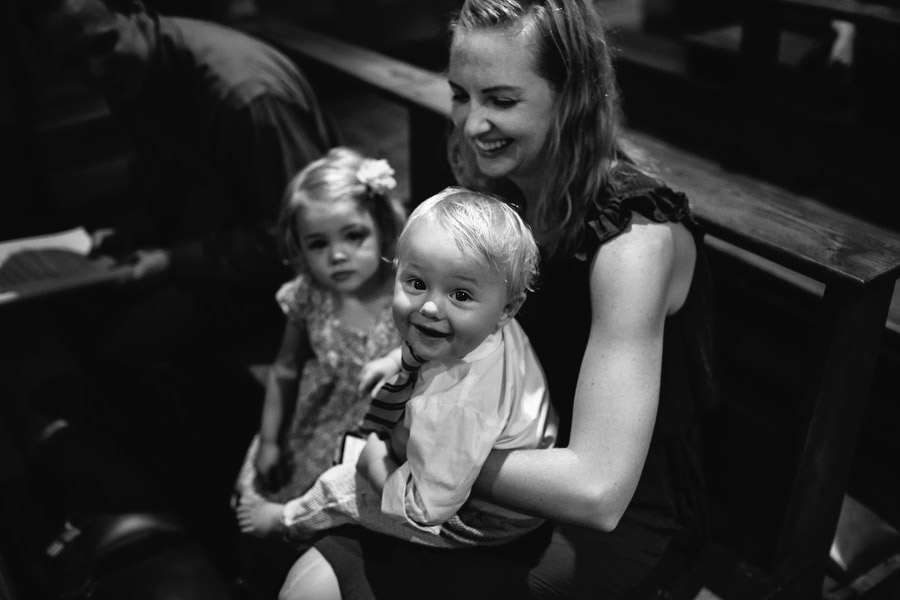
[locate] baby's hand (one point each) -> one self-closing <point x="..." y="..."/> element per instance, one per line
<point x="374" y="373"/>
<point x="375" y="462"/>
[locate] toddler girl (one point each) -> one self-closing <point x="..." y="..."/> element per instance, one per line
<point x="340" y="225"/>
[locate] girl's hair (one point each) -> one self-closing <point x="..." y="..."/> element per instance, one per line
<point x="342" y="174"/>
<point x="572" y="54"/>
<point x="485" y="227"/>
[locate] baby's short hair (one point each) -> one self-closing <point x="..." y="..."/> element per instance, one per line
<point x="487" y="228"/>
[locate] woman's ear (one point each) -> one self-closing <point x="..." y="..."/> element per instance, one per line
<point x="512" y="307"/>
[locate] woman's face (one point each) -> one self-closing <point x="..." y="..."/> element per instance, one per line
<point x="502" y="105"/>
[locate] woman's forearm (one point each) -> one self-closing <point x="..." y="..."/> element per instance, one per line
<point x="552" y="483"/>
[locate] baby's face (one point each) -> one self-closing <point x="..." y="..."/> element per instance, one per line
<point x="446" y="302"/>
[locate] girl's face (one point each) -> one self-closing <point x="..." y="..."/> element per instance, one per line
<point x="341" y="245"/>
<point x="445" y="302"/>
<point x="502" y="105"/>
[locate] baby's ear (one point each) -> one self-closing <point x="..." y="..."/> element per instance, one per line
<point x="511" y="308"/>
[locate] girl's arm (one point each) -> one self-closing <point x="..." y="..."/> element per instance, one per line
<point x="281" y="388"/>
<point x="637" y="279"/>
<point x="377" y="371"/>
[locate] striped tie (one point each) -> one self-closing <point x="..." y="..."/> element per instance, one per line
<point x="389" y="401"/>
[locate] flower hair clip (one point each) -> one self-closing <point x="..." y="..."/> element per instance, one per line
<point x="376" y="175"/>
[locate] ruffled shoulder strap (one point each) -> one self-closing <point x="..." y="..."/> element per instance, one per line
<point x="294" y="298"/>
<point x="631" y="191"/>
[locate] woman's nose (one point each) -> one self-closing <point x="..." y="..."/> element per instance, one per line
<point x="477" y="121"/>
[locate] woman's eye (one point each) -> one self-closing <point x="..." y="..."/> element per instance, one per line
<point x="461" y="296"/>
<point x="504" y="102"/>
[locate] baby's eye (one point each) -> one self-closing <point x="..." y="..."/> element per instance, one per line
<point x="461" y="296"/>
<point x="316" y="245"/>
<point x="414" y="283"/>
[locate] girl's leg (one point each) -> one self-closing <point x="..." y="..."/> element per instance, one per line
<point x="311" y="578"/>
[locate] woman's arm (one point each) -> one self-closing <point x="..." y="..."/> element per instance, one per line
<point x="636" y="280"/>
<point x="281" y="387"/>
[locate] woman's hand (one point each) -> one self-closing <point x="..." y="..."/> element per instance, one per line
<point x="375" y="462"/>
<point x="375" y="372"/>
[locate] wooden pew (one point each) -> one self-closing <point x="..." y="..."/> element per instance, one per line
<point x="852" y="264"/>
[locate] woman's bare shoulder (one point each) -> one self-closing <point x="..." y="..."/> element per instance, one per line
<point x="647" y="258"/>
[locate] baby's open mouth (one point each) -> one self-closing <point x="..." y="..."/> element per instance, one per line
<point x="432" y="333"/>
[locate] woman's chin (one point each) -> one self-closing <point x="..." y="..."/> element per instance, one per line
<point x="495" y="168"/>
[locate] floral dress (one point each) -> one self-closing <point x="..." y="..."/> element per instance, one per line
<point x="327" y="403"/>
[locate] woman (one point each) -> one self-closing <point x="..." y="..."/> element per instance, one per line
<point x="620" y="322"/>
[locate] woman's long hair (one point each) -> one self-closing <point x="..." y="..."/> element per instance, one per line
<point x="581" y="148"/>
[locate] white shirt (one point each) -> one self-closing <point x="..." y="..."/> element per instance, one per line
<point x="495" y="397"/>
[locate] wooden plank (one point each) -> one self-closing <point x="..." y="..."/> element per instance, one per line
<point x="844" y="355"/>
<point x="872" y="15"/>
<point x="796" y="231"/>
<point x="815" y="289"/>
<point x="404" y="83"/>
<point x="64" y="284"/>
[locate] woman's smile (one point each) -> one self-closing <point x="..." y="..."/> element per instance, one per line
<point x="490" y="146"/>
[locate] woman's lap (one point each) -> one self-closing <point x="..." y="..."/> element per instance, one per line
<point x="582" y="563"/>
<point x="369" y="566"/>
<point x="567" y="562"/>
